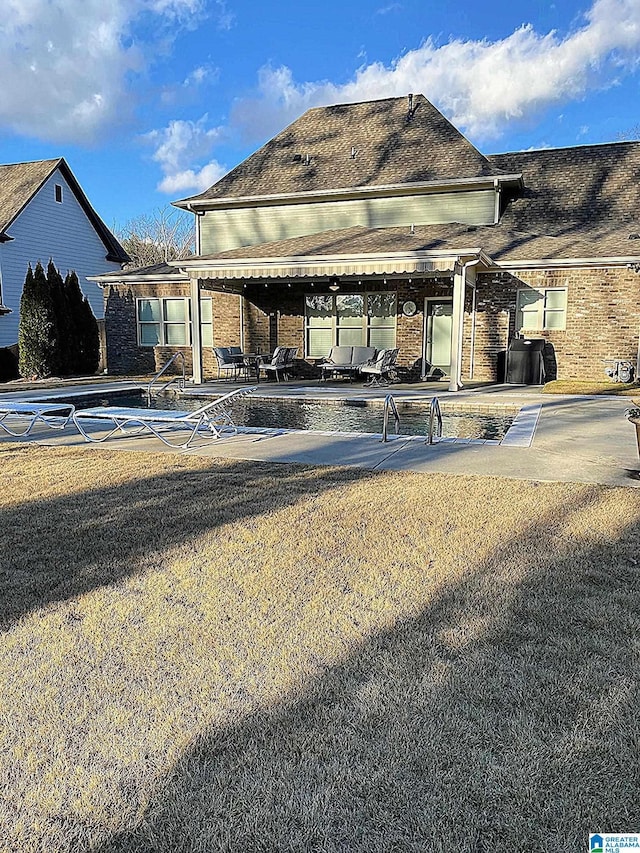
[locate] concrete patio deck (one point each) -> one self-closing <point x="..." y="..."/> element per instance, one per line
<point x="577" y="439"/>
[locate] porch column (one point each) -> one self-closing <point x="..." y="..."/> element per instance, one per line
<point x="196" y="337"/>
<point x="455" y="380"/>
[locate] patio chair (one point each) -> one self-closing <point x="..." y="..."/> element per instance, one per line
<point x="382" y="368"/>
<point x="282" y="361"/>
<point x="229" y="363"/>
<point x="51" y="415"/>
<point x="208" y="422"/>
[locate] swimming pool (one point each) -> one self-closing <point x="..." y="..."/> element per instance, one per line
<point x="361" y="416"/>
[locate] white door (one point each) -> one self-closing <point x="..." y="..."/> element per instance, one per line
<point x="437" y="341"/>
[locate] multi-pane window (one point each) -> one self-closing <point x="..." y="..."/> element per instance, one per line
<point x="168" y="322"/>
<point x="206" y="322"/>
<point x="320" y="326"/>
<point x="543" y="309"/>
<point x="349" y="319"/>
<point x="176" y="322"/>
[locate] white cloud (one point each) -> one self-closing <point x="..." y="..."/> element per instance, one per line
<point x="177" y="147"/>
<point x="192" y="181"/>
<point x="65" y="64"/>
<point x="481" y="86"/>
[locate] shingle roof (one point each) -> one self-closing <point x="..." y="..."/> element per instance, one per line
<point x="392" y="145"/>
<point x="20" y="181"/>
<point x="578" y="189"/>
<point x="154" y="271"/>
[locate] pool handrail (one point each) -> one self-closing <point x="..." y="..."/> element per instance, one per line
<point x="389" y="406"/>
<point x="181" y="379"/>
<point x="435" y="418"/>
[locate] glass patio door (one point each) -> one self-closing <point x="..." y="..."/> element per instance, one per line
<point x="438" y="327"/>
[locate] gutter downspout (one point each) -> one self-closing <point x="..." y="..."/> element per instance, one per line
<point x="459" y="290"/>
<point x="196" y="328"/>
<point x="472" y="354"/>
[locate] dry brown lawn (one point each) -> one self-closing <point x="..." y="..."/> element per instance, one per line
<point x="592" y="388"/>
<point x="216" y="656"/>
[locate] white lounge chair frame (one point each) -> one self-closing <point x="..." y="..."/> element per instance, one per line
<point x="208" y="422"/>
<point x="51" y="415"/>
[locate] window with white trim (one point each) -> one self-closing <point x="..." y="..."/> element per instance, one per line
<point x="541" y="309"/>
<point x="167" y="322"/>
<point x="57" y="193"/>
<point x="349" y="319"/>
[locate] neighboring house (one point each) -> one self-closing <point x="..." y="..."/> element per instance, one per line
<point x="378" y="223"/>
<point x="45" y="214"/>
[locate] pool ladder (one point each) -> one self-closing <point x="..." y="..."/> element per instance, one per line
<point x="178" y="378"/>
<point x="435" y="419"/>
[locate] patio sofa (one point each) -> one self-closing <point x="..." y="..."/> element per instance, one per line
<point x="346" y="361"/>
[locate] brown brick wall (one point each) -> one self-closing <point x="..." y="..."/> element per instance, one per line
<point x="603" y="320"/>
<point x="124" y="356"/>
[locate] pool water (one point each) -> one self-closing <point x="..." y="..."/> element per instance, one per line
<point x="349" y="416"/>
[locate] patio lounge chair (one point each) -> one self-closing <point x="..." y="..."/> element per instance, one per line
<point x="52" y="415"/>
<point x="282" y="361"/>
<point x="381" y="368"/>
<point x="209" y="422"/>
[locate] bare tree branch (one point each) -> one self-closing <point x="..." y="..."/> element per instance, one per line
<point x="631" y="134"/>
<point x="165" y="234"/>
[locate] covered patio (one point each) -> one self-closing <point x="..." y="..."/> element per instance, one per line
<point x="360" y="286"/>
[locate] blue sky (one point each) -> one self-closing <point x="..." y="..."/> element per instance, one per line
<point x="153" y="100"/>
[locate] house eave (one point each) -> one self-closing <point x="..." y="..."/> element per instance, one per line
<point x="565" y="263"/>
<point x="123" y="278"/>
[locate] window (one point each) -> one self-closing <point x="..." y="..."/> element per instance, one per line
<point x="206" y="322"/>
<point x="542" y="309"/>
<point x="57" y="189"/>
<point x="168" y="322"/>
<point x="349" y="319"/>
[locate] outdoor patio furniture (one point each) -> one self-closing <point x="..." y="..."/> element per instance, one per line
<point x="633" y="416"/>
<point x="208" y="422"/>
<point x="382" y="368"/>
<point x="282" y="361"/>
<point x="346" y="361"/>
<point x="230" y="362"/>
<point x="51" y="415"/>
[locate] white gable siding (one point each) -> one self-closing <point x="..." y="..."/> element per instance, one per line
<point x="46" y="229"/>
<point x="248" y="226"/>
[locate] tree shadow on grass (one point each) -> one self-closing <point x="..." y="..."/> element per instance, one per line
<point x="503" y="717"/>
<point x="59" y="547"/>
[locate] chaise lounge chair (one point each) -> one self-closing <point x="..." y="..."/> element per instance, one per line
<point x="52" y="415"/>
<point x="209" y="422"/>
